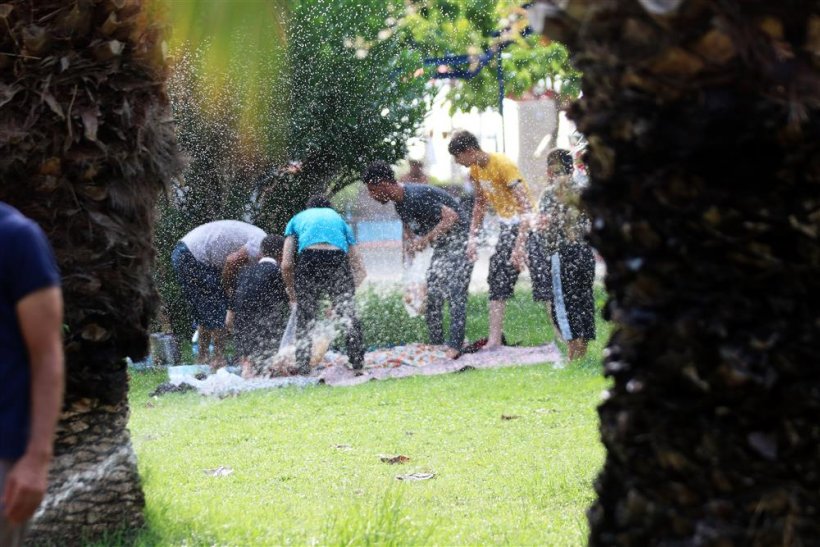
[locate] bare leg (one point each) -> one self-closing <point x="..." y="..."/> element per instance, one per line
<point x="496" y="323"/>
<point x="577" y="348"/>
<point x="556" y="332"/>
<point x="218" y="358"/>
<point x="247" y="367"/>
<point x="204" y="354"/>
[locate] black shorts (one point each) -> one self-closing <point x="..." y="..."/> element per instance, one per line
<point x="572" y="270"/>
<point x="202" y="286"/>
<point x="503" y="275"/>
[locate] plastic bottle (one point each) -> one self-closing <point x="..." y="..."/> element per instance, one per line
<point x="195" y="343"/>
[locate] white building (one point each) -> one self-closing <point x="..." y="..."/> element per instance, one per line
<point x="528" y="130"/>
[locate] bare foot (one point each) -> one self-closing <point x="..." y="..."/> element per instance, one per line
<point x="494" y="347"/>
<point x="452" y="353"/>
<point x="218" y="363"/>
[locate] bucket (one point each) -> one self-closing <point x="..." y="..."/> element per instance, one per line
<point x="164" y="349"/>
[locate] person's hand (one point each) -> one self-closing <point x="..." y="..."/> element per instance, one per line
<point x="229" y="317"/>
<point x="541" y="222"/>
<point x="518" y="258"/>
<point x="416" y="244"/>
<point x="472" y="250"/>
<point x="25" y="487"/>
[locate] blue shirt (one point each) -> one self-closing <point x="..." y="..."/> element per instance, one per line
<point x="26" y="265"/>
<point x="320" y="225"/>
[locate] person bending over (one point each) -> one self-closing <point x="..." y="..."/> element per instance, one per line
<point x="260" y="306"/>
<point x="207" y="261"/>
<point x="430" y="217"/>
<point x="320" y="260"/>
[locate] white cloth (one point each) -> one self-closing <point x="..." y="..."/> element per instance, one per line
<point x="211" y="243"/>
<point x="268" y="259"/>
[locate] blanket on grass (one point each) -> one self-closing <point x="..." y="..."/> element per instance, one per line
<point x="382" y="364"/>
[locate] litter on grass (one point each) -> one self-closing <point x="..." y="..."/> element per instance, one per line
<point x="394" y="460"/>
<point x="220" y="471"/>
<point x="416" y="477"/>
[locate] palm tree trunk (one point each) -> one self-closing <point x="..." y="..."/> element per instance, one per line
<point x="704" y="126"/>
<point x="95" y="489"/>
<point x="86" y="146"/>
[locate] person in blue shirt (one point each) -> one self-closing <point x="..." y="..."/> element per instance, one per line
<point x="320" y="260"/>
<point x="31" y="368"/>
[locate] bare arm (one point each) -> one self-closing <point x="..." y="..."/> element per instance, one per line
<point x="518" y="257"/>
<point x="357" y="265"/>
<point x="406" y="238"/>
<point x="524" y="211"/>
<point x="479" y="208"/>
<point x="40" y="316"/>
<point x="522" y="199"/>
<point x="230" y="273"/>
<point x="448" y="219"/>
<point x="289" y="267"/>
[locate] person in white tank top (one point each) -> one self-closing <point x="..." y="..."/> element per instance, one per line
<point x="207" y="261"/>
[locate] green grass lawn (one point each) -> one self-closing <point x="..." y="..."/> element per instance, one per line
<point x="307" y="469"/>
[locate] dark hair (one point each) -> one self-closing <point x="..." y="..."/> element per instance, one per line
<point x="272" y="245"/>
<point x="563" y="157"/>
<point x="462" y="141"/>
<point x="318" y="201"/>
<point x="377" y="172"/>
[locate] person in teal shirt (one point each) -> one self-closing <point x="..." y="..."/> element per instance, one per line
<point x="320" y="260"/>
<point x="320" y="225"/>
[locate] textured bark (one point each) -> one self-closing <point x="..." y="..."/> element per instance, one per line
<point x="86" y="146"/>
<point x="704" y="131"/>
<point x="95" y="489"/>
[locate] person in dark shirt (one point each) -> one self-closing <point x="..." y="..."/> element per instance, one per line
<point x="569" y="272"/>
<point x="432" y="217"/>
<point x="31" y="368"/>
<point x="260" y="306"/>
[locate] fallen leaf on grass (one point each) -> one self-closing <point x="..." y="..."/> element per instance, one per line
<point x="510" y="417"/>
<point x="416" y="477"/>
<point x="393" y="460"/>
<point x="220" y="471"/>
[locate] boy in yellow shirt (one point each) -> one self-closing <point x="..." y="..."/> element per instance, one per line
<point x="498" y="182"/>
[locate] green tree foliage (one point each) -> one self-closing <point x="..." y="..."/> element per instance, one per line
<point x="531" y="66"/>
<point x="235" y="50"/>
<point x="353" y="94"/>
